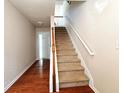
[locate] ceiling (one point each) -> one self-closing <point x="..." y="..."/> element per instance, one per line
<point x="37" y="11"/>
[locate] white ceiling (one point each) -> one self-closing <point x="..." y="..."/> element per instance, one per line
<point x="36" y="10"/>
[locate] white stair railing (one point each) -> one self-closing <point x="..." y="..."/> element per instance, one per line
<point x="91" y="52"/>
<point x="56" y="69"/>
<point x="51" y="74"/>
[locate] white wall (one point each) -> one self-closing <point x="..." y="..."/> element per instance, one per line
<point x="19" y="44"/>
<point x="45" y="42"/>
<point x="59" y="11"/>
<point x="96" y="21"/>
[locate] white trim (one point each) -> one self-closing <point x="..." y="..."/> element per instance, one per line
<point x="52" y="22"/>
<point x="87" y="72"/>
<point x="56" y="72"/>
<point x="51" y="72"/>
<point x="51" y="56"/>
<point x="94" y="89"/>
<point x="38" y="59"/>
<point x="56" y="68"/>
<point x="18" y="76"/>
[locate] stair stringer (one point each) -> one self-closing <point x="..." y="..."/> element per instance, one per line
<point x="86" y="71"/>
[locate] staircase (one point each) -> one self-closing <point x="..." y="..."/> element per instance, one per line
<point x="71" y="73"/>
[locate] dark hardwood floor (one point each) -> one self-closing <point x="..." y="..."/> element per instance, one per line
<point x="36" y="80"/>
<point x="84" y="89"/>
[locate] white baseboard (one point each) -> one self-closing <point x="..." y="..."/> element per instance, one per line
<point x="37" y="58"/>
<point x="94" y="89"/>
<point x="87" y="72"/>
<point x="18" y="76"/>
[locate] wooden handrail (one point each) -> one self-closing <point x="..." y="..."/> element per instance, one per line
<point x="51" y="77"/>
<point x="54" y="83"/>
<point x="53" y="42"/>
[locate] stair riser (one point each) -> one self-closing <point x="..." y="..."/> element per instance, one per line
<point x="58" y="28"/>
<point x="62" y="39"/>
<point x="61" y="62"/>
<point x="60" y="49"/>
<point x="57" y="32"/>
<point x="70" y="67"/>
<point x="74" y="84"/>
<point x="60" y="31"/>
<point x="64" y="48"/>
<point x="67" y="57"/>
<point x="64" y="43"/>
<point x="62" y="35"/>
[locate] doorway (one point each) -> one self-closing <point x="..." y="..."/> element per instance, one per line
<point x="43" y="45"/>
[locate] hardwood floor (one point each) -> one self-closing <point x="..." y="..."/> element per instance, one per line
<point x="36" y="80"/>
<point x="84" y="89"/>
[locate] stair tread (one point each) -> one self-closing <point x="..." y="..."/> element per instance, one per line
<point x="64" y="46"/>
<point x="72" y="76"/>
<point x="68" y="58"/>
<point x="66" y="52"/>
<point x="63" y="43"/>
<point x="59" y="32"/>
<point x="70" y="66"/>
<point x="62" y="37"/>
<point x="71" y="73"/>
<point x="60" y="49"/>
